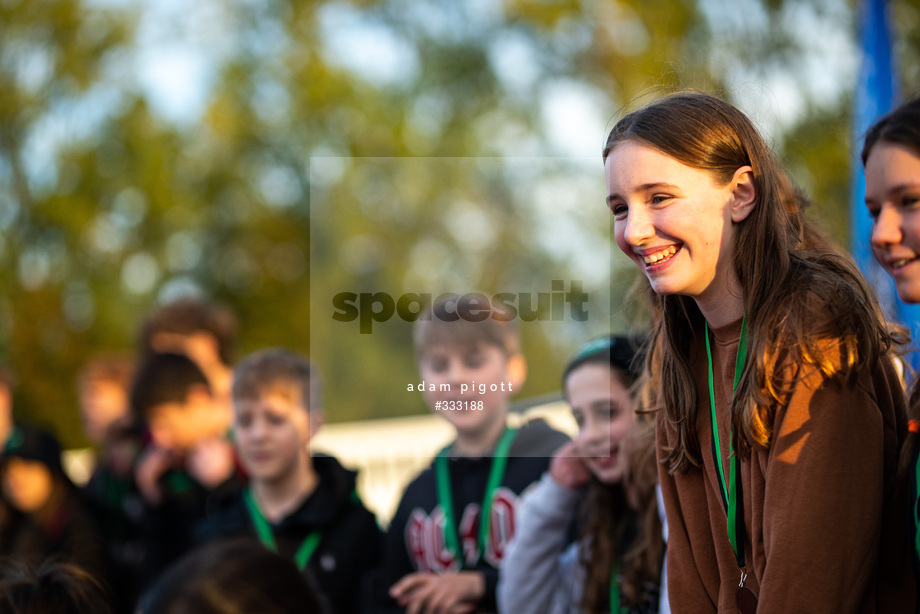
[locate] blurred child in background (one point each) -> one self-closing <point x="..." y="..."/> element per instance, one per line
<point x="6" y="403"/>
<point x="50" y="518"/>
<point x="6" y="427"/>
<point x="103" y="389"/>
<point x="616" y="563"/>
<point x="203" y="331"/>
<point x="103" y="385"/>
<point x="303" y="506"/>
<point x="187" y="464"/>
<point x="448" y="537"/>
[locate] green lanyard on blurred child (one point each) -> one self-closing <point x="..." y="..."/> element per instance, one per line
<point x="267" y="536"/>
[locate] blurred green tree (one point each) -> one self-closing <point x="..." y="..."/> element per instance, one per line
<point x="109" y="203"/>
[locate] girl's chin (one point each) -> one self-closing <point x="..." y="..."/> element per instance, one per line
<point x="909" y="291"/>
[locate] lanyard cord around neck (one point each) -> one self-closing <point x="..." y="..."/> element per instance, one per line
<point x="615" y="607"/>
<point x="267" y="536"/>
<point x="731" y="492"/>
<point x="446" y="497"/>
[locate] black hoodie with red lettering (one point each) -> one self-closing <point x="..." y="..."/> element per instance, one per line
<point x="415" y="540"/>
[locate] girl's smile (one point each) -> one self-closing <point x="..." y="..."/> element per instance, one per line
<point x="656" y="259"/>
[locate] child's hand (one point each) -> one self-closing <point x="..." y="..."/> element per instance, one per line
<point x="448" y="593"/>
<point x="153" y="464"/>
<point x="568" y="468"/>
<point x="210" y="462"/>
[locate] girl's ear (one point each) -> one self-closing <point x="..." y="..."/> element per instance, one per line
<point x="744" y="194"/>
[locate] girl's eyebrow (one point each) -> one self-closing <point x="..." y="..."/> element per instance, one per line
<point x="644" y="188"/>
<point x="904" y="187"/>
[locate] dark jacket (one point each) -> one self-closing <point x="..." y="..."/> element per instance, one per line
<point x="67" y="531"/>
<point x="116" y="504"/>
<point x="350" y="542"/>
<point x="168" y="528"/>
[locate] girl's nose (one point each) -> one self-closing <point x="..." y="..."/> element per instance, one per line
<point x="886" y="230"/>
<point x="638" y="227"/>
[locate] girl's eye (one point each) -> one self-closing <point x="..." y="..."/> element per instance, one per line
<point x="579" y="419"/>
<point x="907" y="201"/>
<point x="618" y="210"/>
<point x="275" y="419"/>
<point x="873" y="213"/>
<point x="657" y="199"/>
<point x="243" y="420"/>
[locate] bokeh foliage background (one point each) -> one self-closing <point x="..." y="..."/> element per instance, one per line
<point x="149" y="149"/>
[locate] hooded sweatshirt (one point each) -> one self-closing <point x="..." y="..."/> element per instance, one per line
<point x="824" y="505"/>
<point x="350" y="538"/>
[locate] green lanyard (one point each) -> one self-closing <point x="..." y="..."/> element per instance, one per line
<point x="446" y="497"/>
<point x="731" y="493"/>
<point x="615" y="607"/>
<point x="267" y="537"/>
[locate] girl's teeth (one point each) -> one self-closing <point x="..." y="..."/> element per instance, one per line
<point x="659" y="256"/>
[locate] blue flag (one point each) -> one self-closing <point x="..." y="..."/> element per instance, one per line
<point x="875" y="95"/>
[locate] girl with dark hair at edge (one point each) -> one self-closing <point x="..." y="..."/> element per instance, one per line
<point x="891" y="156"/>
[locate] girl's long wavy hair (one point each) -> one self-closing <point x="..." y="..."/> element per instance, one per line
<point x="625" y="527"/>
<point x="805" y="301"/>
<point x="617" y="527"/>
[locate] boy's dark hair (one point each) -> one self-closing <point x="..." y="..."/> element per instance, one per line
<point x="188" y="316"/>
<point x="54" y="587"/>
<point x="443" y="328"/>
<point x="274" y="367"/>
<point x="162" y="379"/>
<point x="234" y="576"/>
